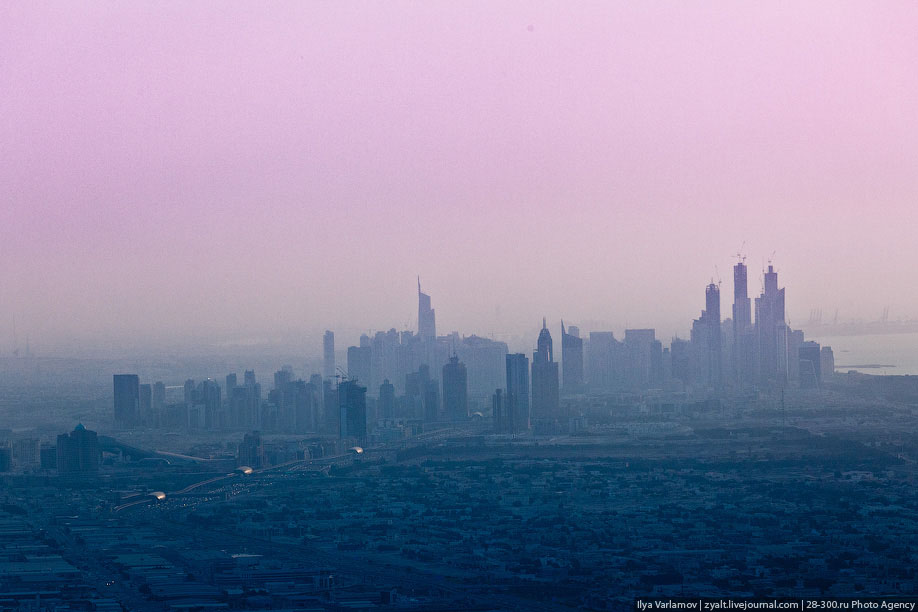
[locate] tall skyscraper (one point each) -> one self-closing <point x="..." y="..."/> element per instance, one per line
<point x="771" y="332"/>
<point x="305" y="407"/>
<point x="517" y="397"/>
<point x="432" y="401"/>
<point x="331" y="412"/>
<point x="353" y="411"/>
<point x="810" y="365"/>
<point x="571" y="360"/>
<point x="545" y="396"/>
<point x="211" y="400"/>
<point x="715" y="344"/>
<point x="499" y="413"/>
<point x="743" y="342"/>
<point x="145" y="405"/>
<point x="127" y="399"/>
<point x="826" y="362"/>
<point x="427" y="319"/>
<point x="359" y="361"/>
<point x="707" y="350"/>
<point x="328" y="354"/>
<point x="455" y="390"/>
<point x="386" y="401"/>
<point x="159" y="398"/>
<point x="639" y="348"/>
<point x="602" y="350"/>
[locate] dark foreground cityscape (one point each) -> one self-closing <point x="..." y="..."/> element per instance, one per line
<point x="444" y="473"/>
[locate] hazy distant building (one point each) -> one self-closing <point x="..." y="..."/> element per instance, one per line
<point x="826" y="362"/>
<point x="794" y="339"/>
<point x="602" y="350"/>
<point x="210" y="400"/>
<point x="415" y="387"/>
<point x="78" y="452"/>
<point x="571" y="360"/>
<point x="545" y="389"/>
<point x="431" y="401"/>
<point x="328" y="354"/>
<point x="743" y="354"/>
<point x="681" y="356"/>
<point x="359" y="361"/>
<point x="331" y="409"/>
<point x="517" y="397"/>
<point x="455" y="390"/>
<point x="427" y="318"/>
<point x="715" y="348"/>
<point x="499" y="413"/>
<point x="810" y="365"/>
<point x="353" y="411"/>
<point x="640" y="364"/>
<point x="282" y="377"/>
<point x="145" y="407"/>
<point x="127" y="399"/>
<point x="158" y="402"/>
<point x="386" y="403"/>
<point x="251" y="452"/>
<point x="305" y="407"/>
<point x="707" y="347"/>
<point x="484" y="360"/>
<point x="771" y="332"/>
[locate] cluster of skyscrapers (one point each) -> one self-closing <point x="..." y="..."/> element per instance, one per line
<point x="403" y="377"/>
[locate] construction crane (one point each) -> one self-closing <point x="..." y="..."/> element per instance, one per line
<point x="740" y="256"/>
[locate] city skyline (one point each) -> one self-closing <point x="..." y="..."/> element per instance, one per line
<point x="472" y="305"/>
<point x="292" y="164"/>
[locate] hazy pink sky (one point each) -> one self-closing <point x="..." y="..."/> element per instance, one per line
<point x="237" y="169"/>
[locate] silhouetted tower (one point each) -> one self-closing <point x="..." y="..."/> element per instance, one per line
<point x="328" y="354"/>
<point x="78" y="452"/>
<point x="545" y="397"/>
<point x="771" y="332"/>
<point x="127" y="399"/>
<point x="715" y="348"/>
<point x="743" y="342"/>
<point x="386" y="401"/>
<point x="499" y="414"/>
<point x="571" y="361"/>
<point x="359" y="360"/>
<point x="517" y="398"/>
<point x="353" y="411"/>
<point x="427" y="319"/>
<point x="145" y="412"/>
<point x="455" y="390"/>
<point x="810" y="365"/>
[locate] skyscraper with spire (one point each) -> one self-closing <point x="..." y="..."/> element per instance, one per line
<point x="771" y="332"/>
<point x="427" y="318"/>
<point x="741" y="369"/>
<point x="707" y="348"/>
<point x="715" y="348"/>
<point x="545" y="394"/>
